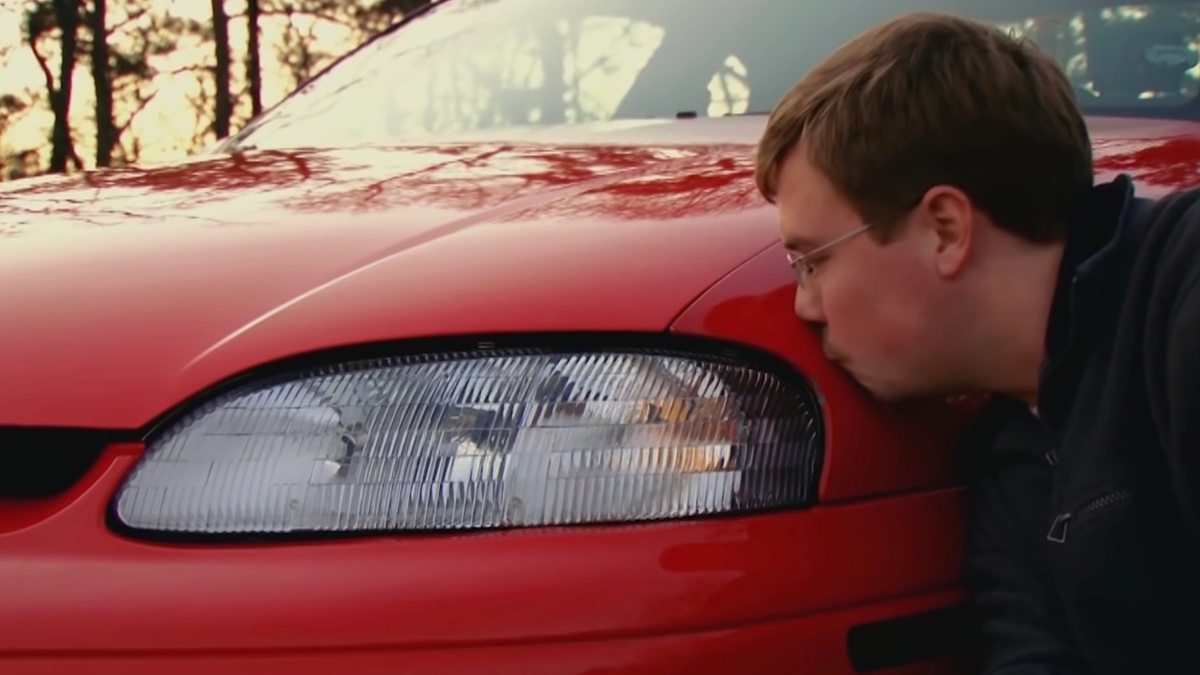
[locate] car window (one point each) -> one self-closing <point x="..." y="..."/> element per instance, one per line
<point x="475" y="65"/>
<point x="1123" y="55"/>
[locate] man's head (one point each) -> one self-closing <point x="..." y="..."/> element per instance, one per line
<point x="950" y="156"/>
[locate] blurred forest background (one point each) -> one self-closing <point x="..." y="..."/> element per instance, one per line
<point x="97" y="83"/>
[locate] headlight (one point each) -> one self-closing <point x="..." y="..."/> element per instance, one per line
<point x="482" y="440"/>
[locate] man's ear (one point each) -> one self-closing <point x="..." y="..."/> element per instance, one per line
<point x="950" y="217"/>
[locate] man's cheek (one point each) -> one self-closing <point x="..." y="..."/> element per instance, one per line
<point x="859" y="324"/>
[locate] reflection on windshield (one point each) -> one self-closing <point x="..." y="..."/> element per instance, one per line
<point x="471" y="65"/>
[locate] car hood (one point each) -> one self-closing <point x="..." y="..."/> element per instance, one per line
<point x="128" y="291"/>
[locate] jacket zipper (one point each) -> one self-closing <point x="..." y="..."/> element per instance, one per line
<point x="1058" y="531"/>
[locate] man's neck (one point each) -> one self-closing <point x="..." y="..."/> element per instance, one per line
<point x="1018" y="320"/>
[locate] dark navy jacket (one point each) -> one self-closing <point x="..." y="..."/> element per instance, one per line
<point x="1084" y="548"/>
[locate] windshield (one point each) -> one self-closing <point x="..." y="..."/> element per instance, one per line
<point x="478" y="65"/>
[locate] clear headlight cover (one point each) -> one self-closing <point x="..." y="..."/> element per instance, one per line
<point x="477" y="441"/>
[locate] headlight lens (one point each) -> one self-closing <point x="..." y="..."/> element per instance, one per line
<point x="476" y="441"/>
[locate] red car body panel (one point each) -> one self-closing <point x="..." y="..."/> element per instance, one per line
<point x="278" y="254"/>
<point x="142" y="288"/>
<point x="181" y="277"/>
<point x="509" y="587"/>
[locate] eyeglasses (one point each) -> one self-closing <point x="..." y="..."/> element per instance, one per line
<point x="806" y="268"/>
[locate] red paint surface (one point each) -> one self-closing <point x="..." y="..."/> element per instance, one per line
<point x="141" y="287"/>
<point x="1160" y="156"/>
<point x="72" y="589"/>
<point x="138" y="288"/>
<point x="799" y="645"/>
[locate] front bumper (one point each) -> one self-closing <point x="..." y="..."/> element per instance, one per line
<point x="775" y="593"/>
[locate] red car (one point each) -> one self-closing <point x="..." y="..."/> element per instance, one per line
<point x="476" y="355"/>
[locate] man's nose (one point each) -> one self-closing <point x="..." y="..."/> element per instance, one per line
<point x="808" y="306"/>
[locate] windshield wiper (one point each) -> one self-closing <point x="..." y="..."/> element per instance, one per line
<point x="692" y="114"/>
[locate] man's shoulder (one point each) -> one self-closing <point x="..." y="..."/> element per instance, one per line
<point x="1168" y="226"/>
<point x="1165" y="272"/>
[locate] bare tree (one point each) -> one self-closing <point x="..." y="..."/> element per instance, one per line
<point x="376" y="15"/>
<point x="145" y="37"/>
<point x="223" y="111"/>
<point x="66" y="13"/>
<point x="301" y="52"/>
<point x="128" y="47"/>
<point x="41" y="19"/>
<point x="253" y="56"/>
<point x="16" y="163"/>
<point x="106" y="130"/>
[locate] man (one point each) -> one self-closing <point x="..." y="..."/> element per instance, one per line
<point x="935" y="191"/>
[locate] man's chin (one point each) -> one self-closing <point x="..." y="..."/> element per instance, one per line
<point x="891" y="396"/>
<point x="862" y="379"/>
<point x="880" y="389"/>
<point x="894" y="395"/>
<point x="874" y="386"/>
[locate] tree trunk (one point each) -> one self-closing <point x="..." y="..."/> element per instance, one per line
<point x="106" y="131"/>
<point x="223" y="101"/>
<point x="66" y="13"/>
<point x="253" y="57"/>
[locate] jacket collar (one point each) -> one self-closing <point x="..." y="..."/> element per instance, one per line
<point x="1096" y="255"/>
<point x="1093" y="275"/>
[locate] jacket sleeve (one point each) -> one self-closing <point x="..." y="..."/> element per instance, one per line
<point x="1172" y="342"/>
<point x="1022" y="630"/>
<point x="1182" y="389"/>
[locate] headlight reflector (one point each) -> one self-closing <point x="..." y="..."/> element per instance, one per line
<point x="481" y="440"/>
